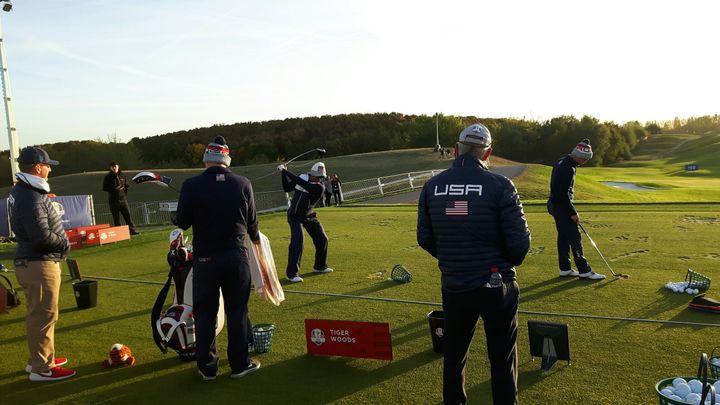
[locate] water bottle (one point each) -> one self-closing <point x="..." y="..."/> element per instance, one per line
<point x="495" y="278"/>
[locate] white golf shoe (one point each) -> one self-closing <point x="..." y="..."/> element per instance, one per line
<point x="569" y="273"/>
<point x="325" y="270"/>
<point x="296" y="279"/>
<point x="591" y="275"/>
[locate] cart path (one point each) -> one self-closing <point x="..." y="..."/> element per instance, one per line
<point x="411" y="197"/>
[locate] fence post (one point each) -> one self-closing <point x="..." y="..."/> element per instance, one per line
<point x="145" y="214"/>
<point x="380" y="186"/>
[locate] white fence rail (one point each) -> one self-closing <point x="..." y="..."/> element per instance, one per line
<point x="155" y="212"/>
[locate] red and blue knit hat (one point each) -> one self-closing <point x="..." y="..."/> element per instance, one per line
<point x="217" y="151"/>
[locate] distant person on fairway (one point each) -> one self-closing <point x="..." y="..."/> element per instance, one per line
<point x="472" y="221"/>
<point x="41" y="246"/>
<point x="327" y="183"/>
<point x="116" y="185"/>
<point x="220" y="207"/>
<point x="307" y="190"/>
<point x="560" y="206"/>
<point x="336" y="189"/>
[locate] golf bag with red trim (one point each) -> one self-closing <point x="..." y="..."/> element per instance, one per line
<point x="702" y="303"/>
<point x="175" y="327"/>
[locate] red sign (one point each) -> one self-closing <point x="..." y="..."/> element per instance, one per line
<point x="368" y="340"/>
<point x="76" y="240"/>
<point x="113" y="234"/>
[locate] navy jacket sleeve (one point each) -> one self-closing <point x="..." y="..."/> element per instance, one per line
<point x="425" y="237"/>
<point x="290" y="181"/>
<point x="514" y="227"/>
<point x="184" y="209"/>
<point x="252" y="222"/>
<point x="562" y="181"/>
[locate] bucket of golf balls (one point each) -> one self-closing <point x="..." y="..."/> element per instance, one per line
<point x="684" y="390"/>
<point x="715" y="364"/>
<point x="682" y="287"/>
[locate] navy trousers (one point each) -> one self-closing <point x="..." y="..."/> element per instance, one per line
<point x="498" y="308"/>
<point x="569" y="239"/>
<point x="320" y="240"/>
<point x="121" y="207"/>
<point x="228" y="271"/>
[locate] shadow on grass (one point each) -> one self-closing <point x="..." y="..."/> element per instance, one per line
<point x="89" y="377"/>
<point x="306" y="379"/>
<point x="94" y="322"/>
<point x="668" y="301"/>
<point x="373" y="288"/>
<point x="561" y="284"/>
<point x="482" y="393"/>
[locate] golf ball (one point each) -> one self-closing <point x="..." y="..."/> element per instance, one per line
<point x="682" y="390"/>
<point x="693" y="398"/>
<point x="675" y="398"/>
<point x="678" y="381"/>
<point x="695" y="386"/>
<point x="717" y="383"/>
<point x="667" y="391"/>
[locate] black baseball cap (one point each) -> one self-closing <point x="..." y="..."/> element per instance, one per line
<point x="33" y="155"/>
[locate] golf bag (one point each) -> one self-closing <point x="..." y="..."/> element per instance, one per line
<point x="175" y="327"/>
<point x="702" y="303"/>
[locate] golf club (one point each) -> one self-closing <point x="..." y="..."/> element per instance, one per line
<point x="150" y="177"/>
<point x="617" y="275"/>
<point x="319" y="151"/>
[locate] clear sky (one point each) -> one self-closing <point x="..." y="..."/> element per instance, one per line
<point x="87" y="69"/>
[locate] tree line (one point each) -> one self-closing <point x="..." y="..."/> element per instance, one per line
<point x="268" y="141"/>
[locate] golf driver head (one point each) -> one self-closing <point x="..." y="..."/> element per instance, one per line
<point x="150" y="177"/>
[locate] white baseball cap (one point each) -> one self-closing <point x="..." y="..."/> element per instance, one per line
<point x="476" y="135"/>
<point x="318" y="170"/>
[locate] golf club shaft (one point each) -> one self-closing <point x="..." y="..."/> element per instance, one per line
<point x="592" y="242"/>
<point x="319" y="150"/>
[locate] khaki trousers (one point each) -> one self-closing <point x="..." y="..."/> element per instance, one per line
<point x="41" y="282"/>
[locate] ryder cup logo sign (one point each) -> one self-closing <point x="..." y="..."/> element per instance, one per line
<point x="317" y="336"/>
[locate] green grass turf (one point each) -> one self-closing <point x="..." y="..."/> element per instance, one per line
<point x="612" y="361"/>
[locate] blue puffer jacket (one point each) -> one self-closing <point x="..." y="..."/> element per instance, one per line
<point x="37" y="225"/>
<point x="472" y="220"/>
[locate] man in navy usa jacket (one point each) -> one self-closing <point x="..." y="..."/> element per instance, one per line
<point x="560" y="206"/>
<point x="307" y="191"/>
<point x="220" y="207"/>
<point x="473" y="222"/>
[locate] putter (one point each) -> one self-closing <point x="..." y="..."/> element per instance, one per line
<point x="150" y="177"/>
<point x="319" y="151"/>
<point x="617" y="275"/>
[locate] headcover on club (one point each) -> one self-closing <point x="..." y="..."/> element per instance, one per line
<point x="702" y="303"/>
<point x="145" y="177"/>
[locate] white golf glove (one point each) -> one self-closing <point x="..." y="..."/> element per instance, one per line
<point x="281" y="168"/>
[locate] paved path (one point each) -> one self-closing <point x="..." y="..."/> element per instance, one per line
<point x="412" y="196"/>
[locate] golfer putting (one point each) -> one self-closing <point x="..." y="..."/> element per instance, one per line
<point x="307" y="191"/>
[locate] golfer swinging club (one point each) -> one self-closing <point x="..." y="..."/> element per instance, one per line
<point x="560" y="206"/>
<point x="308" y="189"/>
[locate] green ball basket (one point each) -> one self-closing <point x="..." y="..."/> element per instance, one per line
<point x="401" y="274"/>
<point x="701" y="375"/>
<point x="262" y="336"/>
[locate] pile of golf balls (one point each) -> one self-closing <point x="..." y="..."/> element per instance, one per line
<point x="688" y="391"/>
<point x="681" y="287"/>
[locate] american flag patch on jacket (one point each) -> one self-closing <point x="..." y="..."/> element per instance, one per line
<point x="456" y="208"/>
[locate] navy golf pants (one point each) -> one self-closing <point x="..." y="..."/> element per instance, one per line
<point x="320" y="240"/>
<point x="568" y="240"/>
<point x="228" y="271"/>
<point x="498" y="308"/>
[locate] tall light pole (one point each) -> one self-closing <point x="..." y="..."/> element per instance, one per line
<point x="437" y="131"/>
<point x="7" y="97"/>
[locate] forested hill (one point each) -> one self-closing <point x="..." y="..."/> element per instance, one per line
<point x="261" y="142"/>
